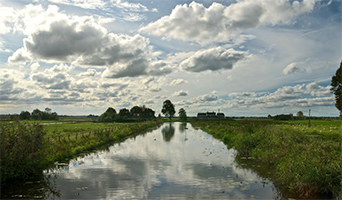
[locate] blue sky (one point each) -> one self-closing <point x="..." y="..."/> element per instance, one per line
<point x="245" y="57"/>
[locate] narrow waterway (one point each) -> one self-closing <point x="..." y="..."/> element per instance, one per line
<point x="175" y="161"/>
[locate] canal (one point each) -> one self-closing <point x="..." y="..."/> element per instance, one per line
<point x="174" y="161"/>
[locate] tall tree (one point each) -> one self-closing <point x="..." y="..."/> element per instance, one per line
<point x="336" y="83"/>
<point x="108" y="116"/>
<point x="136" y="111"/>
<point x="25" y="115"/>
<point x="124" y="113"/>
<point x="300" y="114"/>
<point x="168" y="109"/>
<point x="182" y="114"/>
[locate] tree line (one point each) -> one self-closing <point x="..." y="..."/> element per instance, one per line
<point x="136" y="113"/>
<point x="36" y="114"/>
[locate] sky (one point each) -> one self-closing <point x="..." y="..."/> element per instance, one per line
<point x="239" y="57"/>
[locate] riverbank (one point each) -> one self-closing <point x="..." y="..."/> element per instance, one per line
<point x="305" y="161"/>
<point x="28" y="148"/>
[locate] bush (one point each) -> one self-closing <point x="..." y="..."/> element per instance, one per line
<point x="20" y="149"/>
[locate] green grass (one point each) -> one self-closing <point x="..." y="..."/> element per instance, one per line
<point x="30" y="147"/>
<point x="305" y="161"/>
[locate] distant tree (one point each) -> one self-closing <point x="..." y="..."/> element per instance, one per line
<point x="182" y="114"/>
<point x="136" y="111"/>
<point x="124" y="113"/>
<point x="36" y="114"/>
<point x="48" y="110"/>
<point x="336" y="83"/>
<point x="269" y="116"/>
<point x="300" y="114"/>
<point x="108" y="116"/>
<point x="25" y="115"/>
<point x="14" y="117"/>
<point x="168" y="109"/>
<point x="46" y="115"/>
<point x="147" y="113"/>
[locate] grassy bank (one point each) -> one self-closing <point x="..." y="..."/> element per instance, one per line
<point x="305" y="161"/>
<point x="27" y="148"/>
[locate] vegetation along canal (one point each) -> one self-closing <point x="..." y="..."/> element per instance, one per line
<point x="173" y="161"/>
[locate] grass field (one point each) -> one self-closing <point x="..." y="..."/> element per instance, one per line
<point x="304" y="160"/>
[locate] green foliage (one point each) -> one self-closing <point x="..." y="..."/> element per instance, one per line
<point x="168" y="109"/>
<point x="305" y="164"/>
<point x="182" y="115"/>
<point x="46" y="115"/>
<point x="336" y="83"/>
<point x="25" y="115"/>
<point x="21" y="149"/>
<point x="108" y="116"/>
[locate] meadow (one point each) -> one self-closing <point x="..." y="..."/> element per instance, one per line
<point x="305" y="161"/>
<point x="28" y="147"/>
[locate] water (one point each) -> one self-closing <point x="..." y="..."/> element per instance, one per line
<point x="175" y="161"/>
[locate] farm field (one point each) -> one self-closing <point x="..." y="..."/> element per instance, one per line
<point x="303" y="160"/>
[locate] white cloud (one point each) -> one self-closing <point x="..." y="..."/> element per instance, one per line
<point x="317" y="90"/>
<point x="177" y="81"/>
<point x="89" y="72"/>
<point x="56" y="37"/>
<point x="181" y="93"/>
<point x="242" y="94"/>
<point x="212" y="59"/>
<point x="7" y="18"/>
<point x="86" y="4"/>
<point x="135" y="7"/>
<point x="220" y="23"/>
<point x="292" y="69"/>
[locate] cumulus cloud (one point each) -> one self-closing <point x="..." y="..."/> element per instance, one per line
<point x="220" y="23"/>
<point x="287" y="96"/>
<point x="177" y="81"/>
<point x="57" y="37"/>
<point x="207" y="97"/>
<point x="212" y="59"/>
<point x="89" y="72"/>
<point x="292" y="69"/>
<point x="135" y="7"/>
<point x="242" y="94"/>
<point x="7" y="18"/>
<point x="9" y="88"/>
<point x="317" y="90"/>
<point x="181" y="93"/>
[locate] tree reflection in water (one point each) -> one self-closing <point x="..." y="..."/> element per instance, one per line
<point x="168" y="132"/>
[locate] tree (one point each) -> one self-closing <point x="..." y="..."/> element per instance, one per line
<point x="168" y="109"/>
<point x="182" y="114"/>
<point x="108" y="116"/>
<point x="25" y="115"/>
<point x="300" y="114"/>
<point x="336" y="83"/>
<point x="124" y="113"/>
<point x="136" y="111"/>
<point x="37" y="114"/>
